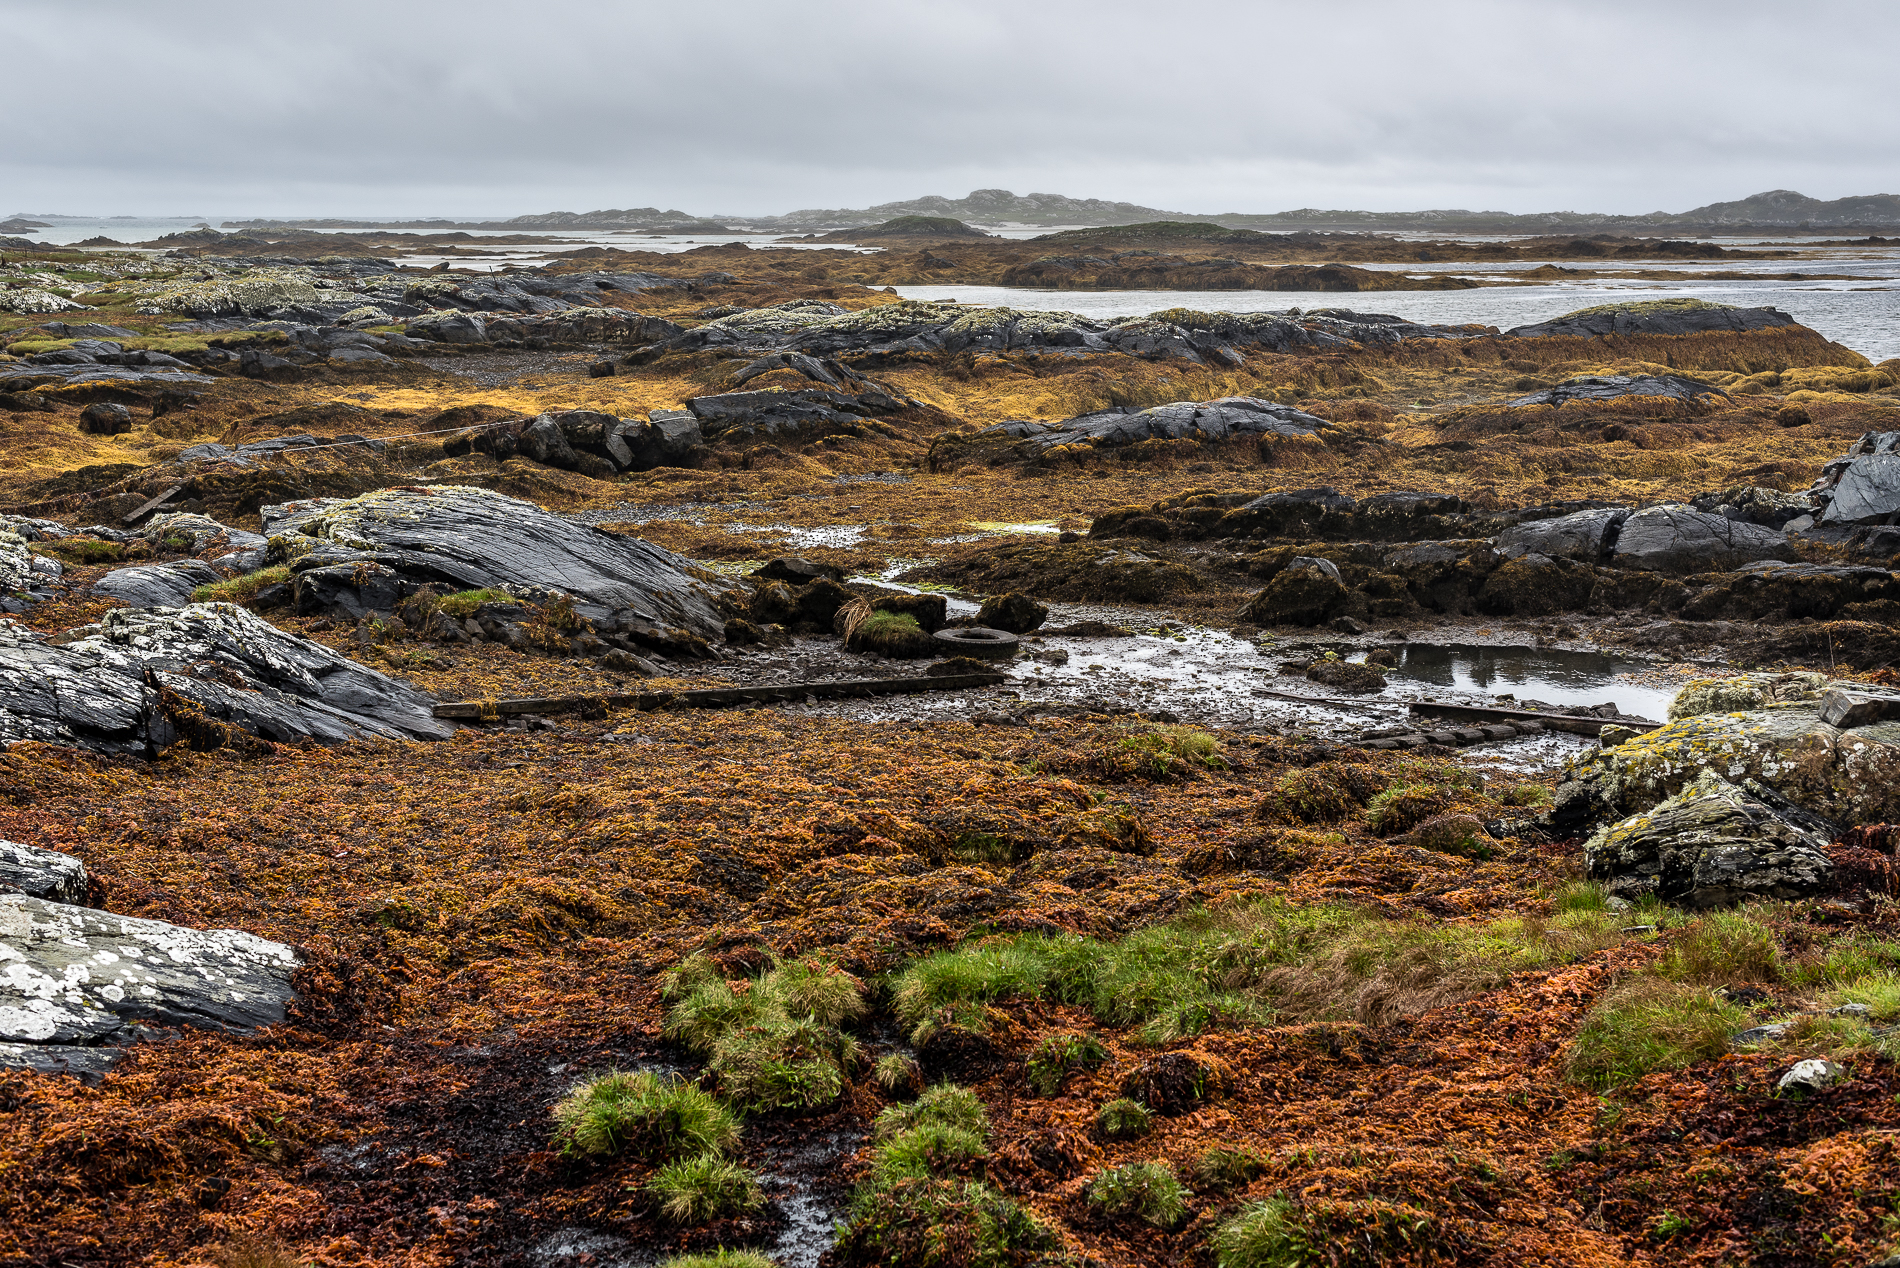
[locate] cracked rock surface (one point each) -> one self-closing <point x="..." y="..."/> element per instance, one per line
<point x="124" y="685"/>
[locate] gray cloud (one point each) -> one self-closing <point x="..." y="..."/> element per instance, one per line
<point x="742" y="106"/>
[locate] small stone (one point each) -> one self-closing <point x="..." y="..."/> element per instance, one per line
<point x="1813" y="1075"/>
<point x="1350" y="625"/>
<point x="1758" y="1034"/>
<point x="601" y="370"/>
<point x="1860" y="1011"/>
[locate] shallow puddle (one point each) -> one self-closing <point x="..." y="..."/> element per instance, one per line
<point x="1546" y="674"/>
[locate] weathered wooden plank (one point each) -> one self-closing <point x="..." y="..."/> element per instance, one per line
<point x="1551" y="721"/>
<point x="712" y="697"/>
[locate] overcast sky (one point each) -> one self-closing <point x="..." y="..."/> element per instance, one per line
<point x="414" y="107"/>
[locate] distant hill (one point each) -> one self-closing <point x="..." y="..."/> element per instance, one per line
<point x="907" y="227"/>
<point x="1774" y="210"/>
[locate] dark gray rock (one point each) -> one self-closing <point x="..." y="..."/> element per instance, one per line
<point x="806" y="412"/>
<point x="37" y="873"/>
<point x="1863" y="486"/>
<point x="1585" y="535"/>
<point x="87" y="330"/>
<point x="1846" y="708"/>
<point x="156" y="585"/>
<point x="79" y="977"/>
<point x="1656" y="321"/>
<point x="87" y="1064"/>
<point x="1597" y="387"/>
<point x="1680" y="539"/>
<point x="1208" y="421"/>
<point x="103" y="418"/>
<point x="1711" y="845"/>
<point x="469" y="538"/>
<point x="116" y="687"/>
<point x="448" y="327"/>
<point x="1770" y="508"/>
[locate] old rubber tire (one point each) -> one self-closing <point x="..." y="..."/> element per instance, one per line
<point x="974" y="640"/>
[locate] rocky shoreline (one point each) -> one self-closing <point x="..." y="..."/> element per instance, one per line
<point x="363" y="834"/>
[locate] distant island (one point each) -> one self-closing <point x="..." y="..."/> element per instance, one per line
<point x="1776" y="210"/>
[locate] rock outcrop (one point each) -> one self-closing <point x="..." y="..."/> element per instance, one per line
<point x="1600" y="387"/>
<point x="1680" y="539"/>
<point x="1862" y="487"/>
<point x="37" y="873"/>
<point x="208" y="674"/>
<point x="351" y="557"/>
<point x="1711" y="845"/>
<point x="76" y="984"/>
<point x="156" y="585"/>
<point x="1210" y="422"/>
<point x="1659" y="318"/>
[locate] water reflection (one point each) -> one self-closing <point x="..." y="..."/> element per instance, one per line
<point x="1554" y="677"/>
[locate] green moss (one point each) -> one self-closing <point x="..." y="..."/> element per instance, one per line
<point x="462" y="604"/>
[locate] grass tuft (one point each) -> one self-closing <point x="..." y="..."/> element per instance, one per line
<point x="1649" y="1024"/>
<point x="644" y="1114"/>
<point x="1147" y="1191"/>
<point x="1123" y="1119"/>
<point x="705" y="1188"/>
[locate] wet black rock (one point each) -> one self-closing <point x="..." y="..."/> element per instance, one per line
<point x="1636" y="320"/>
<point x="207" y="674"/>
<point x="1015" y="612"/>
<point x="797" y="570"/>
<point x="1307" y="591"/>
<point x="102" y="418"/>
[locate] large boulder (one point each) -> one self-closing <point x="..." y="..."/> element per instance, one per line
<point x="1680" y="539"/>
<point x="1585" y="535"/>
<point x="76" y="979"/>
<point x="1770" y="728"/>
<point x="469" y="539"/>
<point x="1231" y="417"/>
<point x="1305" y="592"/>
<point x="1711" y="845"/>
<point x="156" y="585"/>
<point x="207" y="674"/>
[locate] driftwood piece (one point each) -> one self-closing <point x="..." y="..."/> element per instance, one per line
<point x="711" y="697"/>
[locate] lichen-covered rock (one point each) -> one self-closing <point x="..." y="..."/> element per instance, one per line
<point x="31" y="300"/>
<point x="1711" y="845"/>
<point x="256" y="294"/>
<point x="74" y="977"/>
<point x="1851" y="774"/>
<point x="207" y="674"/>
<point x="471" y="538"/>
<point x="37" y="873"/>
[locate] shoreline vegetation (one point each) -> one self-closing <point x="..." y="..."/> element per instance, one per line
<point x="1028" y="974"/>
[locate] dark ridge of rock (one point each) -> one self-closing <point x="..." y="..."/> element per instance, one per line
<point x="1680" y="539"/>
<point x="1610" y="387"/>
<point x="346" y="553"/>
<point x="156" y="585"/>
<point x="594" y="444"/>
<point x="1660" y="318"/>
<point x="208" y="674"/>
<point x="808" y="412"/>
<point x="37" y="873"/>
<point x="79" y="982"/>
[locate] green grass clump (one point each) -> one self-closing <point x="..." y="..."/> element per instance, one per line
<point x="895" y="1072"/>
<point x="946" y="1104"/>
<point x="929" y="1149"/>
<point x="643" y="1114"/>
<point x="1224" y="1168"/>
<point x="1526" y="795"/>
<point x="968" y="975"/>
<point x="462" y="604"/>
<point x="1880" y="992"/>
<point x="773" y="1043"/>
<point x="1846" y="961"/>
<point x="1123" y="1119"/>
<point x="1649" y="1024"/>
<point x="1265" y="1234"/>
<point x="1050" y="1064"/>
<point x="1168" y="752"/>
<point x="1324" y="792"/>
<point x="83" y="551"/>
<point x="240" y="589"/>
<point x="721" y="1258"/>
<point x="1403" y="808"/>
<point x="1721" y="948"/>
<point x="939" y="1223"/>
<point x="1582" y="897"/>
<point x="704" y="1188"/>
<point x="1147" y="1191"/>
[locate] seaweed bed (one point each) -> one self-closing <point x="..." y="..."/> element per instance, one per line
<point x="1387" y="1030"/>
